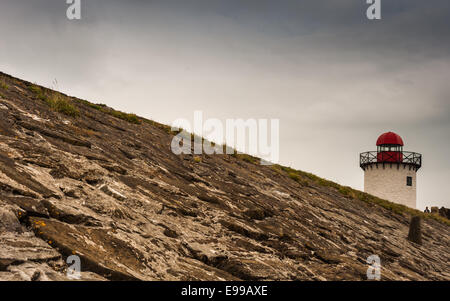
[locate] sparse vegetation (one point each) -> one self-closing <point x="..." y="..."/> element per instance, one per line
<point x="197" y="159"/>
<point x="3" y="84"/>
<point x="96" y="106"/>
<point x="131" y="118"/>
<point x="305" y="177"/>
<point x="37" y="91"/>
<point x="57" y="101"/>
<point x="294" y="176"/>
<point x="61" y="104"/>
<point x="248" y="158"/>
<point x="164" y="127"/>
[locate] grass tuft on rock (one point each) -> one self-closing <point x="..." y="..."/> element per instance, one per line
<point x="62" y="104"/>
<point x="129" y="117"/>
<point x="3" y="84"/>
<point x="56" y="101"/>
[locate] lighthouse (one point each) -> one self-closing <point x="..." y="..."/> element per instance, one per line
<point x="390" y="172"/>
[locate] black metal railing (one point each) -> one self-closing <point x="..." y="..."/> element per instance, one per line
<point x="390" y="157"/>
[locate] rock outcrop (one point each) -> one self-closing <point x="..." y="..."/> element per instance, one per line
<point x="112" y="192"/>
<point x="444" y="212"/>
<point x="415" y="232"/>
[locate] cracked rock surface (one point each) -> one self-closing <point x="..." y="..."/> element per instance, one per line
<point x="113" y="193"/>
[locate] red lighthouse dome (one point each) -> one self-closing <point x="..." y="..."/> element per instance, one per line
<point x="390" y="147"/>
<point x="390" y="138"/>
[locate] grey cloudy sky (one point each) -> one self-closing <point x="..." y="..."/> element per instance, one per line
<point x="334" y="79"/>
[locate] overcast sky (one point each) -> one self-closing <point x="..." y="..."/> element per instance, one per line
<point x="335" y="79"/>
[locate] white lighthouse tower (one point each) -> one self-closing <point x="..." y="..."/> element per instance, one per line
<point x="390" y="172"/>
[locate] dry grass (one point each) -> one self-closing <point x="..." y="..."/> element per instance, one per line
<point x="57" y="101"/>
<point x="161" y="126"/>
<point x="62" y="104"/>
<point x="247" y="158"/>
<point x="3" y="84"/>
<point x="129" y="117"/>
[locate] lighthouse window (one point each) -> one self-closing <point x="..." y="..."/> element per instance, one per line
<point x="409" y="181"/>
<point x="390" y="148"/>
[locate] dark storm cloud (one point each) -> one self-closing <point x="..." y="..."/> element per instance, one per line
<point x="335" y="79"/>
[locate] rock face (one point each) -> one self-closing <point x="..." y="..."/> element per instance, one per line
<point x="112" y="193"/>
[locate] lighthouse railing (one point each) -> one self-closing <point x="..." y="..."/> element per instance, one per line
<point x="391" y="157"/>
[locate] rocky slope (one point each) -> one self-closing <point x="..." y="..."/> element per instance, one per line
<point x="111" y="192"/>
